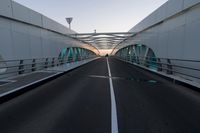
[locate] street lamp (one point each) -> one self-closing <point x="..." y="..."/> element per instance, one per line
<point x="69" y="20"/>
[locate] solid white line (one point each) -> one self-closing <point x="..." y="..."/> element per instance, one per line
<point x="114" y="121"/>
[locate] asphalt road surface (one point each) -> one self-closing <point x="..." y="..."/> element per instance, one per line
<point x="80" y="102"/>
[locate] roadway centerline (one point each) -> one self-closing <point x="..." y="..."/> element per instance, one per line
<point x="114" y="120"/>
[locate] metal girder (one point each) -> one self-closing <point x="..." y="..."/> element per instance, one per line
<point x="104" y="33"/>
<point x="103" y="39"/>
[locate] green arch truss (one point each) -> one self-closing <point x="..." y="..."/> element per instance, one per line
<point x="139" y="54"/>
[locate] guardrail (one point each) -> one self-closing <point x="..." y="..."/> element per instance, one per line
<point x="187" y="69"/>
<point x="17" y="67"/>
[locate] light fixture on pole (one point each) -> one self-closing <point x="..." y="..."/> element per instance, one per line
<point x="69" y="21"/>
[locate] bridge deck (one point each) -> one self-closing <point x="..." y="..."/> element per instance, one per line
<point x="79" y="102"/>
<point x="23" y="80"/>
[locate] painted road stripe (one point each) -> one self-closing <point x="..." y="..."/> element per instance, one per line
<point x="114" y="121"/>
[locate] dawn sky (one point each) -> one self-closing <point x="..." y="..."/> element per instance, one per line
<point x="102" y="15"/>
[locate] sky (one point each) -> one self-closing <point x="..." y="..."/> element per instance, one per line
<point x="99" y="15"/>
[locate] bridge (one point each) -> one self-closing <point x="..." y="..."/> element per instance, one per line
<point x="55" y="80"/>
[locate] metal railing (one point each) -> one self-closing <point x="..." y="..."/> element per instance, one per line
<point x="17" y="67"/>
<point x="187" y="69"/>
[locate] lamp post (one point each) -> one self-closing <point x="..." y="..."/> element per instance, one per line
<point x="69" y="21"/>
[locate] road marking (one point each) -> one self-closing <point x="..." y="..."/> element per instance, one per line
<point x="114" y="121"/>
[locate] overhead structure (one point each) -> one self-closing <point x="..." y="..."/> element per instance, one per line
<point x="103" y="40"/>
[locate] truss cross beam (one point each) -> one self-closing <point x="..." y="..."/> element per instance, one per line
<point x="105" y="40"/>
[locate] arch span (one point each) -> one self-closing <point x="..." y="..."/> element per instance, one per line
<point x="75" y="54"/>
<point x="140" y="54"/>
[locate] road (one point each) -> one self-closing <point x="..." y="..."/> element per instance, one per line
<point x="80" y="102"/>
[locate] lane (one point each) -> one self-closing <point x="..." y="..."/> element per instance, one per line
<point x="73" y="103"/>
<point x="80" y="101"/>
<point x="149" y="104"/>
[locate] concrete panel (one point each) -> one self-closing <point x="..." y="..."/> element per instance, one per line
<point x="138" y="27"/>
<point x="161" y="13"/>
<point x="64" y="30"/>
<point x="174" y="6"/>
<point x="6" y="8"/>
<point x="149" y="21"/>
<point x="193" y="15"/>
<point x="175" y="43"/>
<point x="35" y="18"/>
<point x="45" y="48"/>
<point x="146" y="22"/>
<point x="27" y="15"/>
<point x="45" y="44"/>
<point x="20" y="27"/>
<point x="5" y="23"/>
<point x="6" y="45"/>
<point x="175" y="22"/>
<point x="21" y="12"/>
<point x="63" y="40"/>
<point x="35" y="42"/>
<point x="53" y="43"/>
<point x="192" y="39"/>
<point x="162" y="45"/>
<point x="189" y="3"/>
<point x="61" y="29"/>
<point x="21" y="43"/>
<point x="55" y="48"/>
<point x="152" y="39"/>
<point x="155" y="38"/>
<point x="55" y="26"/>
<point x="21" y="40"/>
<point x="49" y="24"/>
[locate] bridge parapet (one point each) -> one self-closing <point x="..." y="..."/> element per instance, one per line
<point x="12" y="68"/>
<point x="180" y="69"/>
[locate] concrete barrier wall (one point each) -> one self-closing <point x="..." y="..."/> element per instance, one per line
<point x="172" y="31"/>
<point x="25" y="33"/>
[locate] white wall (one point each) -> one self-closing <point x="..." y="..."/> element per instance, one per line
<point x="25" y="33"/>
<point x="172" y="31"/>
<point x="178" y="35"/>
